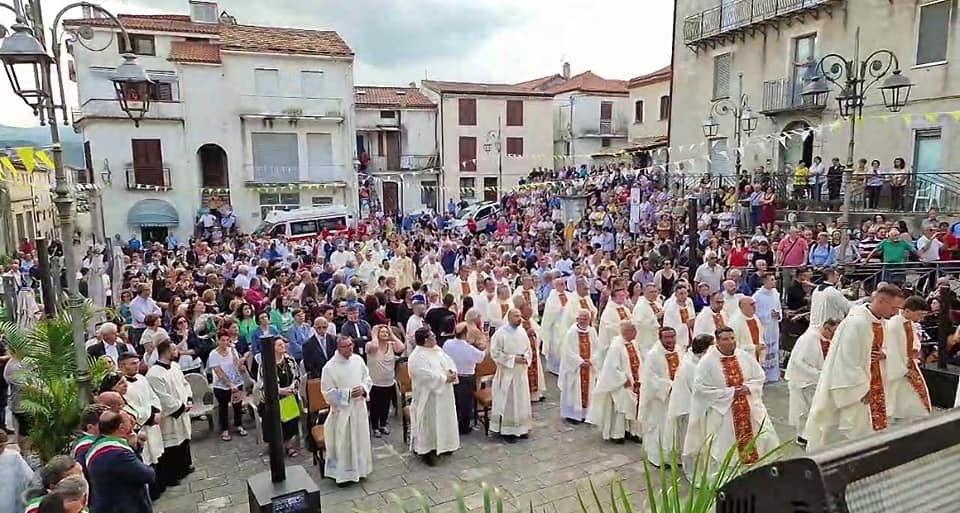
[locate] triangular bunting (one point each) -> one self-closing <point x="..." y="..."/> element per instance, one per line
<point x="27" y="157"/>
<point x="45" y="159"/>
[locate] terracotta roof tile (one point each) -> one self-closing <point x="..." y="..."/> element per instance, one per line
<point x="189" y="51"/>
<point x="249" y="38"/>
<point x="539" y="84"/>
<point x="590" y="82"/>
<point x="377" y="96"/>
<point x="660" y="75"/>
<point x="481" y="88"/>
<point x="153" y="23"/>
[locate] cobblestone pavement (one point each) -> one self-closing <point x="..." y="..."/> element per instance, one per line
<point x="545" y="470"/>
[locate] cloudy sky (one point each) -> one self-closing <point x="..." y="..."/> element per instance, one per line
<point x="400" y="41"/>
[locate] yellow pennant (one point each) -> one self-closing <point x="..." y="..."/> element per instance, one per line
<point x="45" y="159"/>
<point x="6" y="163"/>
<point x="907" y="119"/>
<point x="932" y="117"/>
<point x="29" y="158"/>
<point x="956" y="115"/>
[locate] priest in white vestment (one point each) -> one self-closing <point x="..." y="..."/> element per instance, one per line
<point x="615" y="400"/>
<point x="510" y="413"/>
<point x="769" y="311"/>
<point x="727" y="410"/>
<point x="499" y="309"/>
<point x="580" y="300"/>
<point x="433" y="410"/>
<point x="731" y="298"/>
<point x="345" y="383"/>
<point x="463" y="285"/>
<point x="679" y="314"/>
<point x="528" y="293"/>
<point x="144" y="404"/>
<point x="803" y="372"/>
<point x="851" y="397"/>
<point x="907" y="395"/>
<point x="486" y="302"/>
<point x="403" y="268"/>
<point x="553" y="312"/>
<point x="747" y="328"/>
<point x="709" y="320"/>
<point x="648" y="316"/>
<point x="538" y="385"/>
<point x="167" y="382"/>
<point x="579" y="363"/>
<point x="431" y="274"/>
<point x="660" y="368"/>
<point x="826" y="301"/>
<point x="678" y="411"/>
<point x="613" y="314"/>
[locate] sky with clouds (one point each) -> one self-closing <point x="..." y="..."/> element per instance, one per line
<point x="401" y="41"/>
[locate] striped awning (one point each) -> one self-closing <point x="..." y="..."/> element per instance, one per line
<point x="153" y="212"/>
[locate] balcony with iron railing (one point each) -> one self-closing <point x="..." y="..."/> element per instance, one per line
<point x="290" y="107"/>
<point x="783" y="96"/>
<point x="106" y="108"/>
<point x="605" y="128"/>
<point x="406" y="162"/>
<point x="314" y="174"/>
<point x="730" y="18"/>
<point x="148" y="178"/>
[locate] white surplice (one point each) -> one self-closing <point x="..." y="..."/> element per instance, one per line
<point x="577" y="303"/>
<point x="569" y="379"/>
<point x="731" y="303"/>
<point x="706" y="322"/>
<point x="803" y="374"/>
<point x="553" y="334"/>
<point x="678" y="410"/>
<point x="173" y="391"/>
<point x="431" y="274"/>
<point x="530" y="297"/>
<point x="433" y="411"/>
<point x="486" y="304"/>
<point x="349" y="456"/>
<point x="903" y="400"/>
<point x="712" y="410"/>
<point x="647" y="323"/>
<point x="826" y="302"/>
<point x="844" y="381"/>
<point x="613" y="314"/>
<point x="658" y="433"/>
<point x="510" y="413"/>
<point x="143" y="403"/>
<point x="672" y="318"/>
<point x="614" y="405"/>
<point x="461" y="289"/>
<point x="741" y="331"/>
<point x="498" y="310"/>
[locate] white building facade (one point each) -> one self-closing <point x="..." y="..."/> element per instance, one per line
<point x="649" y="126"/>
<point x="397" y="147"/>
<point x="490" y="136"/>
<point x="258" y="118"/>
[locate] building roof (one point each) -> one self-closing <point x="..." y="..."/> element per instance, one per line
<point x="378" y="96"/>
<point x="590" y="82"/>
<point x="482" y="89"/>
<point x="660" y="75"/>
<point x="244" y="38"/>
<point x="539" y="84"/>
<point x="189" y="51"/>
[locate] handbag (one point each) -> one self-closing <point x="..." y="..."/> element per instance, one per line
<point x="289" y="408"/>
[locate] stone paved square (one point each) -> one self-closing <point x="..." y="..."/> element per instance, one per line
<point x="545" y="470"/>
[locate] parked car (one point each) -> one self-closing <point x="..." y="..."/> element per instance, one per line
<point x="484" y="214"/>
<point x="304" y="223"/>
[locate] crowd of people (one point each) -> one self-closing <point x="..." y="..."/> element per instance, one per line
<point x="647" y="344"/>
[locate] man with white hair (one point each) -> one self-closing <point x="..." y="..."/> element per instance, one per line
<point x="110" y="344"/>
<point x="615" y="401"/>
<point x="242" y="279"/>
<point x="731" y="297"/>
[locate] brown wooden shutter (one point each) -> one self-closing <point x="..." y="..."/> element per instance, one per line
<point x="164" y="92"/>
<point x="88" y="163"/>
<point x="638" y="111"/>
<point x="468" y="111"/>
<point x="147" y="161"/>
<point x="606" y="111"/>
<point x="468" y="154"/>
<point x="515" y="146"/>
<point x="514" y="112"/>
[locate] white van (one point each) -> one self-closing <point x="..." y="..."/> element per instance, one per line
<point x="304" y="223"/>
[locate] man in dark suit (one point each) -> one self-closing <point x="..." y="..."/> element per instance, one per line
<point x="442" y="320"/>
<point x="110" y="345"/>
<point x="357" y="329"/>
<point x="118" y="479"/>
<point x="319" y="348"/>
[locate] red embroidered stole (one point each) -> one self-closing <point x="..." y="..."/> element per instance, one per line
<point x="464" y="288"/>
<point x="824" y="346"/>
<point x="685" y="318"/>
<point x="563" y="298"/>
<point x="586" y="306"/>
<point x="533" y="370"/>
<point x="718" y="321"/>
<point x="526" y="297"/>
<point x="754" y="328"/>
<point x="673" y="362"/>
<point x="584" y="341"/>
<point x="622" y="313"/>
<point x="742" y="416"/>
<point x="656" y="311"/>
<point x="878" y="402"/>
<point x="504" y="308"/>
<point x="634" y="365"/>
<point x="913" y="372"/>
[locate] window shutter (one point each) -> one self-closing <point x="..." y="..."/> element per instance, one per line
<point x="721" y="76"/>
<point x="147" y="161"/>
<point x="164" y="92"/>
<point x="275" y="158"/>
<point x="606" y="111"/>
<point x="468" y="111"/>
<point x="664" y="107"/>
<point x="515" y="146"/>
<point x="266" y="82"/>
<point x="320" y="158"/>
<point x="468" y="154"/>
<point x="514" y="112"/>
<point x="638" y="111"/>
<point x="932" y="32"/>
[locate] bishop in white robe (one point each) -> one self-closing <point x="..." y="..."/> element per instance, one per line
<point x="660" y="368"/>
<point x="510" y="413"/>
<point x="553" y="312"/>
<point x="907" y="395"/>
<point x="433" y="410"/>
<point x="678" y="410"/>
<point x="615" y="400"/>
<point x="579" y="363"/>
<point x="727" y="409"/>
<point x="345" y="384"/>
<point x="168" y="383"/>
<point x="803" y="372"/>
<point x="851" y="394"/>
<point x="679" y="314"/>
<point x="709" y="320"/>
<point x="648" y="316"/>
<point x="747" y="328"/>
<point x="431" y="274"/>
<point x="613" y="314"/>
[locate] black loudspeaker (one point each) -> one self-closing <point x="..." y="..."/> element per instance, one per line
<point x="942" y="384"/>
<point x="911" y="468"/>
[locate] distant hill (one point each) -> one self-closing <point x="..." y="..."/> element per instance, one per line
<point x="13" y="136"/>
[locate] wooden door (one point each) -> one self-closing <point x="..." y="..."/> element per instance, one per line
<point x="393" y="151"/>
<point x="147" y="161"/>
<point x="391" y="198"/>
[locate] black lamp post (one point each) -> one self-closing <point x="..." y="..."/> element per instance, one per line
<point x="493" y="142"/>
<point x="854" y="78"/>
<point x="745" y="120"/>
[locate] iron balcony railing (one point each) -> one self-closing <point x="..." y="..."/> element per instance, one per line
<point x="783" y="95"/>
<point x="148" y="178"/>
<point x="731" y="16"/>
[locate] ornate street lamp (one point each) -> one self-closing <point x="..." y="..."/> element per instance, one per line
<point x="748" y="121"/>
<point x="745" y="120"/>
<point x="710" y="127"/>
<point x="132" y="84"/>
<point x="22" y="56"/>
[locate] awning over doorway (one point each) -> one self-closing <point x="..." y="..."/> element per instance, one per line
<point x="153" y="212"/>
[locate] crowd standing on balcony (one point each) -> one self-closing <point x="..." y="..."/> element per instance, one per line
<point x="606" y="302"/>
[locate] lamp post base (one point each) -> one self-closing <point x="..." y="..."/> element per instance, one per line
<point x="298" y="493"/>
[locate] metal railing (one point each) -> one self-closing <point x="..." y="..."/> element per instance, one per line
<point x="289" y="106"/>
<point x="781" y="96"/>
<point x="141" y="178"/>
<point x="110" y="108"/>
<point x="730" y="16"/>
<point x="405" y="162"/>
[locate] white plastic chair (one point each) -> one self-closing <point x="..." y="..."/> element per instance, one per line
<point x="204" y="402"/>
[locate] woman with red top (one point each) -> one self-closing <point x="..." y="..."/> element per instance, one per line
<point x="768" y="209"/>
<point x="739" y="254"/>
